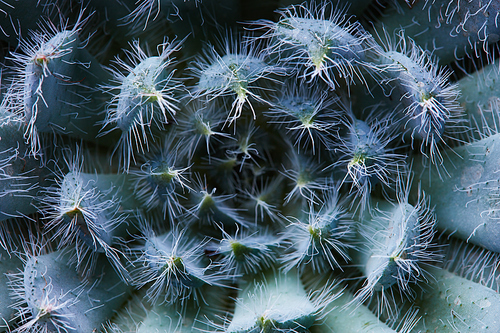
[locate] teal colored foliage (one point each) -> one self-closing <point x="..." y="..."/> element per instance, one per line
<point x="256" y="166"/>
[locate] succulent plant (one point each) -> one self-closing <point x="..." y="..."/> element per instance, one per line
<point x="235" y="166"/>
